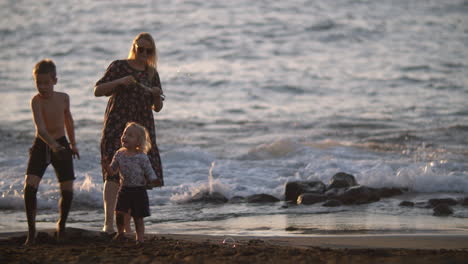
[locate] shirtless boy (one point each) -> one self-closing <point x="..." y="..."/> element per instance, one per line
<point x="51" y="114"/>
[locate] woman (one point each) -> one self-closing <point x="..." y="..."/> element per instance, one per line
<point x="135" y="91"/>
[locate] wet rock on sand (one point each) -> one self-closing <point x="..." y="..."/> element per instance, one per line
<point x="442" y="210"/>
<point x="294" y="189"/>
<point x="311" y="198"/>
<point x="262" y="198"/>
<point x="342" y="180"/>
<point x="406" y="204"/>
<point x="207" y="197"/>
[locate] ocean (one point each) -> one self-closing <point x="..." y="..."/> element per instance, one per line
<point x="258" y="93"/>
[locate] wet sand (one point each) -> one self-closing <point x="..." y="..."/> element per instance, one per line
<point x="85" y="246"/>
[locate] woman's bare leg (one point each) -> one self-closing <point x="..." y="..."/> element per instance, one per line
<point x="109" y="195"/>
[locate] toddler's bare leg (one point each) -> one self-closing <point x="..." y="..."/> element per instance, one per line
<point x="140" y="229"/>
<point x="119" y="217"/>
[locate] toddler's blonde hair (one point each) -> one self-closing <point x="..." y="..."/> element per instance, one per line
<point x="144" y="139"/>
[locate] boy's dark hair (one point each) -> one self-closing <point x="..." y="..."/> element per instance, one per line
<point x="45" y="66"/>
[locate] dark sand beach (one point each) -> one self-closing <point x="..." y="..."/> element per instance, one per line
<point x="85" y="246"/>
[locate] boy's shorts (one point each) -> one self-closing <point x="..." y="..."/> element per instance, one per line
<point x="134" y="199"/>
<point x="40" y="156"/>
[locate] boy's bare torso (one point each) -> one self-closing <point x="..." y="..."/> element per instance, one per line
<point x="53" y="113"/>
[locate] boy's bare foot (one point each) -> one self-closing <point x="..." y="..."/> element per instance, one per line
<point x="119" y="237"/>
<point x="139" y="243"/>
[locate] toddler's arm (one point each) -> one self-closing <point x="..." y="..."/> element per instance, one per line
<point x="151" y="179"/>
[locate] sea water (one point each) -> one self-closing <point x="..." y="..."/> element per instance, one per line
<point x="259" y="93"/>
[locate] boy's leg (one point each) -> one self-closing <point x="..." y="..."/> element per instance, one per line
<point x="66" y="189"/>
<point x="140" y="229"/>
<point x="63" y="165"/>
<point x="109" y="196"/>
<point x="30" y="203"/>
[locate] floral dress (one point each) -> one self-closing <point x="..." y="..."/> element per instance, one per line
<point x="131" y="103"/>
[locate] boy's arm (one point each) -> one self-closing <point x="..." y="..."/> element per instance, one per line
<point x="70" y="127"/>
<point x="41" y="129"/>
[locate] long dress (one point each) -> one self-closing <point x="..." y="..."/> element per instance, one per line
<point x="131" y="103"/>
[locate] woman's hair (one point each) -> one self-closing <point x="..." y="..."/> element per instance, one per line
<point x="152" y="61"/>
<point x="143" y="137"/>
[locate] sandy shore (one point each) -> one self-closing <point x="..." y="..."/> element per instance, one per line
<point x="85" y="246"/>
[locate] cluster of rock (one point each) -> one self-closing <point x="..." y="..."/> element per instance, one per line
<point x="216" y="197"/>
<point x="440" y="206"/>
<point x="342" y="190"/>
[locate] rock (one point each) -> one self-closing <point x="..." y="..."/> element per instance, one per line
<point x="463" y="201"/>
<point x="448" y="201"/>
<point x="342" y="180"/>
<point x="237" y="199"/>
<point x="335" y="192"/>
<point x="206" y="197"/>
<point x="442" y="210"/>
<point x="310" y="198"/>
<point x="332" y="203"/>
<point x="358" y="195"/>
<point x="406" y="203"/>
<point x="262" y="198"/>
<point x="294" y="189"/>
<point x="387" y="192"/>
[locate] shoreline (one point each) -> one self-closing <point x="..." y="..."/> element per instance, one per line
<point x="86" y="246"/>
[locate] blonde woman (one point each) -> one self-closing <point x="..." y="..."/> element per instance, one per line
<point x="135" y="92"/>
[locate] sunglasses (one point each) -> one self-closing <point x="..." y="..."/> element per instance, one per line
<point x="149" y="51"/>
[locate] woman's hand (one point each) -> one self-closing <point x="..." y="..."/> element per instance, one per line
<point x="106" y="165"/>
<point x="156" y="91"/>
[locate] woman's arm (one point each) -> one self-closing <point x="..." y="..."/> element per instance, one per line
<point x="158" y="95"/>
<point x="158" y="98"/>
<point x="109" y="87"/>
